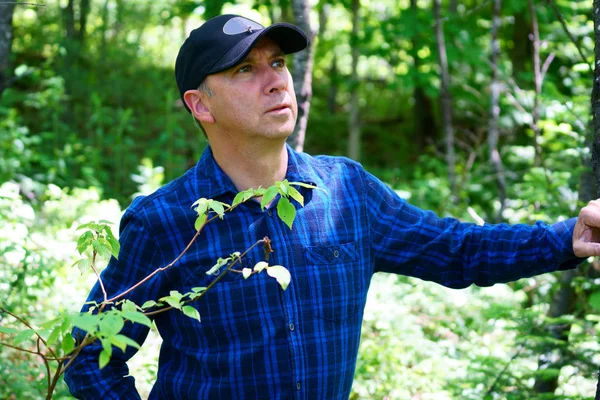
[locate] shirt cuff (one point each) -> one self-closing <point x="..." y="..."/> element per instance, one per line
<point x="562" y="234"/>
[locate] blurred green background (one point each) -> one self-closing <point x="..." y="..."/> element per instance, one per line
<point x="90" y="117"/>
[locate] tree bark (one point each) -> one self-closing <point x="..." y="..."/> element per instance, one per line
<point x="446" y="99"/>
<point x="493" y="131"/>
<point x="538" y="84"/>
<point x="596" y="99"/>
<point x="354" y="115"/>
<point x="6" y="37"/>
<point x="302" y="74"/>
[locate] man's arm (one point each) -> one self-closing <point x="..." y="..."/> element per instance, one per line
<point x="409" y="241"/>
<point x="138" y="257"/>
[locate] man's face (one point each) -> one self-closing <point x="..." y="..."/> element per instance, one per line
<point x="256" y="97"/>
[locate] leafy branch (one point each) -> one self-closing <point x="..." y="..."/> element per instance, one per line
<point x="104" y="321"/>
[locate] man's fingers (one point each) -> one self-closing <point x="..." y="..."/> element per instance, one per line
<point x="583" y="249"/>
<point x="590" y="214"/>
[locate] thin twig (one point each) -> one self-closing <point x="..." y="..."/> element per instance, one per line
<point x="21" y="320"/>
<point x="156" y="271"/>
<point x="514" y="357"/>
<point x="98" y="275"/>
<point x="237" y="259"/>
<point x="566" y="29"/>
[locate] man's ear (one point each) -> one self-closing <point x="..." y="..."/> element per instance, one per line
<point x="199" y="109"/>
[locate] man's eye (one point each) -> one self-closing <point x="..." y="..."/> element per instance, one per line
<point x="244" y="69"/>
<point x="279" y="63"/>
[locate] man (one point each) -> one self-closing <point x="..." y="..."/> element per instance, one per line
<point x="255" y="340"/>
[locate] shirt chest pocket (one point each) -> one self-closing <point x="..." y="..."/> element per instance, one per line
<point x="336" y="281"/>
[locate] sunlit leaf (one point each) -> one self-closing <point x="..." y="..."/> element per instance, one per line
<point x="191" y="312"/>
<point x="104" y="358"/>
<point x="246" y="272"/>
<point x="138" y="317"/>
<point x="200" y="221"/>
<point x="281" y="274"/>
<point x="260" y="266"/>
<point x="295" y="194"/>
<point x="111" y="324"/>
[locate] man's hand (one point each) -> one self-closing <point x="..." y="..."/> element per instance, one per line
<point x="586" y="235"/>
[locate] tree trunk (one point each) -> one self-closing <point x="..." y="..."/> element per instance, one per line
<point x="538" y="85"/>
<point x="596" y="99"/>
<point x="302" y="74"/>
<point x="425" y="130"/>
<point x="446" y="100"/>
<point x="494" y="132"/>
<point x="6" y="36"/>
<point x="354" y="116"/>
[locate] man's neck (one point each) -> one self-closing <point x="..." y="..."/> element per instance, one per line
<point x="252" y="166"/>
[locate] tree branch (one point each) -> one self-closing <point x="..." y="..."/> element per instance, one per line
<point x="566" y="29"/>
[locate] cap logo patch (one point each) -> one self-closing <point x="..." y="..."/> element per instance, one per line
<point x="238" y="25"/>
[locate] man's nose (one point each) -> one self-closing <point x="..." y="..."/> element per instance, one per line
<point x="276" y="80"/>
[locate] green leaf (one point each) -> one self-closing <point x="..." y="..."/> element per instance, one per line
<point x="294" y="194"/>
<point x="201" y="206"/>
<point x="246" y="272"/>
<point x="86" y="322"/>
<point x="68" y="344"/>
<point x="286" y="211"/>
<point x="8" y="331"/>
<point x="105" y="222"/>
<point x="268" y="196"/>
<point x="138" y="317"/>
<point x="23" y="336"/>
<point x="217" y="207"/>
<point x="172" y="301"/>
<point x="198" y="289"/>
<point x="200" y="221"/>
<point x="111" y="324"/>
<point x="306" y="185"/>
<point x="104" y="358"/>
<point x="129" y="305"/>
<point x="84" y="241"/>
<point x="115" y="247"/>
<point x="283" y="187"/>
<point x="191" y="312"/>
<point x="114" y="340"/>
<point x="127" y="341"/>
<point x="242" y="197"/>
<point x="102" y="248"/>
<point x="148" y="304"/>
<point x="83" y="265"/>
<point x="53" y="336"/>
<point x="281" y="274"/>
<point x="220" y="262"/>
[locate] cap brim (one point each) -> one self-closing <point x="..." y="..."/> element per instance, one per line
<point x="290" y="39"/>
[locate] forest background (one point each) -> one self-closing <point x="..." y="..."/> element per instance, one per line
<point x="475" y="109"/>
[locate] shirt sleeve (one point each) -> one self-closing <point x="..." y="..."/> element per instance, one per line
<point x="409" y="241"/>
<point x="137" y="259"/>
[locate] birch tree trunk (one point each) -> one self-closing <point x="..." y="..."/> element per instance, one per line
<point x="6" y="36"/>
<point x="446" y="100"/>
<point x="494" y="132"/>
<point x="354" y="116"/>
<point x="302" y="74"/>
<point x="538" y="84"/>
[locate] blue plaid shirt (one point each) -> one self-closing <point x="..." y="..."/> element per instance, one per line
<point x="258" y="341"/>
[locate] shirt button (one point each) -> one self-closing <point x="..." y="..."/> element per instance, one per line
<point x="336" y="253"/>
<point x="298" y="386"/>
<point x="270" y="213"/>
<point x="292" y="327"/>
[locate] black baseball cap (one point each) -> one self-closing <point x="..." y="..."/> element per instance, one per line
<point x="223" y="41"/>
